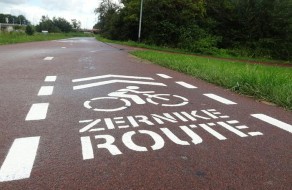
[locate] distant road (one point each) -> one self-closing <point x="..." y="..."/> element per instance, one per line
<point x="80" y="114"/>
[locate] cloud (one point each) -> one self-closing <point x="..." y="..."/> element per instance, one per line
<point x="16" y="2"/>
<point x="62" y="5"/>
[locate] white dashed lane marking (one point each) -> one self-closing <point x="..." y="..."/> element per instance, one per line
<point x="20" y="159"/>
<point x="46" y="91"/>
<point x="164" y="76"/>
<point x="220" y="99"/>
<point x="186" y="85"/>
<point x="37" y="112"/>
<point x="48" y="58"/>
<point x="273" y="121"/>
<point x="50" y="78"/>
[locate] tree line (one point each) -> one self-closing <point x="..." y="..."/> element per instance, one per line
<point x="57" y="25"/>
<point x="13" y="19"/>
<point x="254" y="28"/>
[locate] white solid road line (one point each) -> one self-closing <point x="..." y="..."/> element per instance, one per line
<point x="220" y="99"/>
<point x="48" y="58"/>
<point x="111" y="76"/>
<point x="186" y="85"/>
<point x="46" y="91"/>
<point x="37" y="112"/>
<point x="20" y="159"/>
<point x="50" y="78"/>
<point x="116" y="81"/>
<point x="273" y="121"/>
<point x="164" y="76"/>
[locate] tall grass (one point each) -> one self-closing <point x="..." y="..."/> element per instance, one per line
<point x="268" y="83"/>
<point x="19" y="37"/>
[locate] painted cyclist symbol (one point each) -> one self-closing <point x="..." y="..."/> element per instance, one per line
<point x="131" y="93"/>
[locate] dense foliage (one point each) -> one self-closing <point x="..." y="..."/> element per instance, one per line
<point x="13" y="19"/>
<point x="54" y="26"/>
<point x="29" y="30"/>
<point x="255" y="28"/>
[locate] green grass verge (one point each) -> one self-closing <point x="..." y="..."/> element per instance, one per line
<point x="220" y="54"/>
<point x="140" y="45"/>
<point x="17" y="37"/>
<point x="269" y="83"/>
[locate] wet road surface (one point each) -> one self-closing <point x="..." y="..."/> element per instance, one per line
<point x="80" y="114"/>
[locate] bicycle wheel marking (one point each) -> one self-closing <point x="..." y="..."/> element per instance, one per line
<point x="127" y="103"/>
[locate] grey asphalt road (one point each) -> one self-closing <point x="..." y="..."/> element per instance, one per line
<point x="81" y="114"/>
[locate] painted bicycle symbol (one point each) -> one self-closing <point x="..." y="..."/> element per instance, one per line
<point x="124" y="97"/>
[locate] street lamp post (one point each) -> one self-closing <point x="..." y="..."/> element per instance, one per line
<point x="140" y="22"/>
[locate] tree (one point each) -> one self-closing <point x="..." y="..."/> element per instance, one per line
<point x="29" y="30"/>
<point x="54" y="26"/>
<point x="62" y="24"/>
<point x="108" y="13"/>
<point x="256" y="28"/>
<point x="76" y="24"/>
<point x="13" y="19"/>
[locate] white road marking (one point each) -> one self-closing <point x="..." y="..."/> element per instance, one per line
<point x="48" y="58"/>
<point x="255" y="134"/>
<point x="90" y="125"/>
<point x="111" y="76"/>
<point x="37" y="112"/>
<point x="46" y="91"/>
<point x="63" y="47"/>
<point x="86" y="121"/>
<point x="209" y="114"/>
<point x="193" y="126"/>
<point x="164" y="76"/>
<point x="87" y="150"/>
<point x="232" y="129"/>
<point x="213" y="132"/>
<point x="186" y="85"/>
<point x="241" y="127"/>
<point x="50" y="78"/>
<point x="273" y="121"/>
<point x="20" y="159"/>
<point x="220" y="99"/>
<point x="224" y="116"/>
<point x="115" y="81"/>
<point x="233" y="122"/>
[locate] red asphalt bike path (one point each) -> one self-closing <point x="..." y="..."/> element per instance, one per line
<point x="80" y="114"/>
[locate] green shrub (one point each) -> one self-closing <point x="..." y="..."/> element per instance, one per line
<point x="29" y="30"/>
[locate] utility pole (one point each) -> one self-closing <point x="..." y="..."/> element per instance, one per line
<point x="140" y="22"/>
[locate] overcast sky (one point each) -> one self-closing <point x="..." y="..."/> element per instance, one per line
<point x="82" y="10"/>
